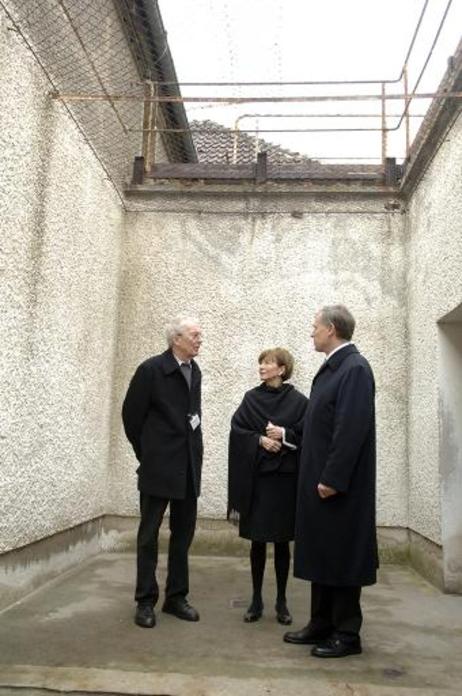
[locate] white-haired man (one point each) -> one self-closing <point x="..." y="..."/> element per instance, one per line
<point x="162" y="420"/>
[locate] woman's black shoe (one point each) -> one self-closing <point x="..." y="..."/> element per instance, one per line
<point x="283" y="615"/>
<point x="254" y="612"/>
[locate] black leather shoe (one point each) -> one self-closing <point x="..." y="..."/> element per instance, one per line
<point x="144" y="616"/>
<point x="181" y="609"/>
<point x="283" y="615"/>
<point x="334" y="647"/>
<point x="254" y="612"/>
<point x="305" y="636"/>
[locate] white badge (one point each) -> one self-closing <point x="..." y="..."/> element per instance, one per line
<point x="195" y="421"/>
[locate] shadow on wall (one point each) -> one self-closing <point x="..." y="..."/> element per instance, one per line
<point x="450" y="445"/>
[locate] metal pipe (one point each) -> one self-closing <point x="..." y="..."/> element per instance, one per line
<point x="244" y="100"/>
<point x="239" y="118"/>
<point x="406" y="123"/>
<point x="384" y="124"/>
<point x="435" y="40"/>
<point x="147" y="125"/>
<point x="265" y="130"/>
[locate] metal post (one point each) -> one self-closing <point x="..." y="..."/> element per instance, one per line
<point x="257" y="144"/>
<point x="235" y="139"/>
<point x="384" y="124"/>
<point x="261" y="167"/>
<point x="147" y="124"/>
<point x="406" y="108"/>
<point x="155" y="117"/>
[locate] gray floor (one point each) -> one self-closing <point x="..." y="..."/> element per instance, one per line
<point x="77" y="634"/>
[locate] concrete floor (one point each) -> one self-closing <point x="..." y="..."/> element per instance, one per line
<point x="77" y="634"/>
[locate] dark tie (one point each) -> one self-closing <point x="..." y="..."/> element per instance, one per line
<point x="186" y="370"/>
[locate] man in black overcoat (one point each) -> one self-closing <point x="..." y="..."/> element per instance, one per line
<point x="335" y="536"/>
<point x="162" y="420"/>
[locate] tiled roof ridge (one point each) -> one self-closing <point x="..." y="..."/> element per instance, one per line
<point x="212" y="147"/>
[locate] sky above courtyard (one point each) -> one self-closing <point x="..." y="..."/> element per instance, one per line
<point x="309" y="40"/>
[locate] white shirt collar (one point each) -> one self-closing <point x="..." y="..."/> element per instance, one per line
<point x="343" y="345"/>
<point x="181" y="362"/>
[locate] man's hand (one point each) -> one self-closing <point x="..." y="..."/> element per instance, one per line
<point x="269" y="445"/>
<point x="326" y="491"/>
<point x="273" y="431"/>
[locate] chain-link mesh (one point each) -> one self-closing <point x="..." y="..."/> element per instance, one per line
<point x="85" y="48"/>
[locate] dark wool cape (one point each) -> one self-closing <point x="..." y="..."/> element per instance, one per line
<point x="283" y="406"/>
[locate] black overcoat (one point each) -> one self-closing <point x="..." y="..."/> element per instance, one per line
<point x="156" y="416"/>
<point x="335" y="538"/>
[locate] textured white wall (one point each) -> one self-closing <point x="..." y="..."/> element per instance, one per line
<point x="434" y="289"/>
<point x="61" y="227"/>
<point x="255" y="281"/>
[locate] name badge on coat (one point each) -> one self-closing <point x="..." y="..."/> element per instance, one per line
<point x="194" y="421"/>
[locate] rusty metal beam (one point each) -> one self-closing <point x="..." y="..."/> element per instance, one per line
<point x="249" y="100"/>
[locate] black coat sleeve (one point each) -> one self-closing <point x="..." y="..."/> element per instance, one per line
<point x="136" y="406"/>
<point x="354" y="411"/>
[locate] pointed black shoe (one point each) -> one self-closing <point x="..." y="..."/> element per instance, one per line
<point x="283" y="614"/>
<point x="144" y="616"/>
<point x="305" y="636"/>
<point x="181" y="609"/>
<point x="334" y="647"/>
<point x="254" y="612"/>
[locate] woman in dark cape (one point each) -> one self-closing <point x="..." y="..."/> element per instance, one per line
<point x="263" y="462"/>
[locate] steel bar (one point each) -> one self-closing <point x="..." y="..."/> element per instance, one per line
<point x="263" y="130"/>
<point x="148" y="130"/>
<point x="384" y="124"/>
<point x="435" y="40"/>
<point x="377" y="115"/>
<point x="406" y="123"/>
<point x="243" y="100"/>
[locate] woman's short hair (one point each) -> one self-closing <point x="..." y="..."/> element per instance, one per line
<point x="177" y="325"/>
<point x="281" y="357"/>
<point x="341" y="319"/>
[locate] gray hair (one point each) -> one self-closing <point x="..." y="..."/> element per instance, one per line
<point x="177" y="325"/>
<point x="341" y="319"/>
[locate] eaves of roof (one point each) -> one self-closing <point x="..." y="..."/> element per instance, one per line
<point x="147" y="39"/>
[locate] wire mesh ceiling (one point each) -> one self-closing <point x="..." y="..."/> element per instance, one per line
<point x="103" y="59"/>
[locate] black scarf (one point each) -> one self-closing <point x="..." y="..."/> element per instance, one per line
<point x="283" y="406"/>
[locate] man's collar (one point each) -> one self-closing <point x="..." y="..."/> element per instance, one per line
<point x="180" y="361"/>
<point x="171" y="362"/>
<point x="342" y="345"/>
<point x="336" y="358"/>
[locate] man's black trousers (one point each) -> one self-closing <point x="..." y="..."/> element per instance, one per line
<point x="336" y="610"/>
<point x="183" y="514"/>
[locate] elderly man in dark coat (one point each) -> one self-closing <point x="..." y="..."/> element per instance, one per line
<point x="335" y="537"/>
<point x="162" y="419"/>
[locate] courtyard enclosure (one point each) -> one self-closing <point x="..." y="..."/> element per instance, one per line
<point x="93" y="267"/>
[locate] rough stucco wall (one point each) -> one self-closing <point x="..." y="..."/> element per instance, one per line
<point x="60" y="245"/>
<point x="256" y="281"/>
<point x="434" y="289"/>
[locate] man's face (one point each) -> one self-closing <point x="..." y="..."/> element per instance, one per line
<point x="187" y="344"/>
<point x="322" y="334"/>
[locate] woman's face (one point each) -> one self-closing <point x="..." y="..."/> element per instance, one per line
<point x="270" y="370"/>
